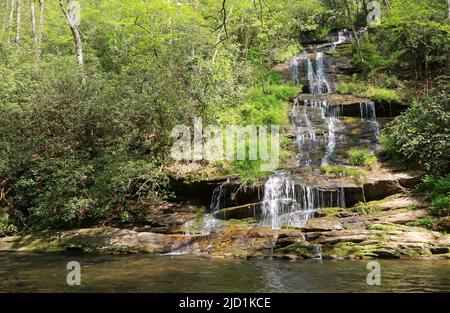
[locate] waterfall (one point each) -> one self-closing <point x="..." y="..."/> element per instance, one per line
<point x="210" y="223"/>
<point x="293" y="70"/>
<point x="334" y="126"/>
<point x="369" y="117"/>
<point x="318" y="82"/>
<point x="288" y="204"/>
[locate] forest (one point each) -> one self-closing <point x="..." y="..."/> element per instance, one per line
<point x="91" y="90"/>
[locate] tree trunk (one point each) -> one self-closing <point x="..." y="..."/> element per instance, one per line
<point x="213" y="60"/>
<point x="41" y="28"/>
<point x="355" y="35"/>
<point x="11" y="16"/>
<point x="18" y="21"/>
<point x="78" y="43"/>
<point x="5" y="19"/>
<point x="448" y="10"/>
<point x="33" y="26"/>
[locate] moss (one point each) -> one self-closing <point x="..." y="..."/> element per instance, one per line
<point x="383" y="227"/>
<point x="341" y="170"/>
<point x="331" y="212"/>
<point x="368" y="91"/>
<point x="345" y="249"/>
<point x="367" y="208"/>
<point x="303" y="249"/>
<point x="232" y="224"/>
<point x="428" y="222"/>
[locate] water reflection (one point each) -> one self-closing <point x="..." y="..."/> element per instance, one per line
<point x="144" y="273"/>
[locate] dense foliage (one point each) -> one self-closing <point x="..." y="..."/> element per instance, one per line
<point x="81" y="151"/>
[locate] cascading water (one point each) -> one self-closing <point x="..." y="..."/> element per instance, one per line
<point x="293" y="70"/>
<point x="321" y="85"/>
<point x="315" y="73"/>
<point x="210" y="223"/>
<point x="286" y="203"/>
<point x="369" y="117"/>
<point x="306" y="138"/>
<point x="334" y="125"/>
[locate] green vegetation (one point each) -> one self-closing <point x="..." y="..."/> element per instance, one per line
<point x="412" y="42"/>
<point x="428" y="222"/>
<point x="384" y="227"/>
<point x="363" y="90"/>
<point x="264" y="106"/>
<point x="342" y="170"/>
<point x="438" y="192"/>
<point x="362" y="157"/>
<point x="366" y="208"/>
<point x="87" y="112"/>
<point x="421" y="136"/>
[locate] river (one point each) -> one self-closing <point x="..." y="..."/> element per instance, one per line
<point x="32" y="272"/>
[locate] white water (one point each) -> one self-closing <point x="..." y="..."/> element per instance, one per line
<point x="334" y="125"/>
<point x="315" y="73"/>
<point x="369" y="117"/>
<point x="293" y="70"/>
<point x="286" y="203"/>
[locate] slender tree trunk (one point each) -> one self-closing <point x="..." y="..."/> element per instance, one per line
<point x="33" y="26"/>
<point x="5" y="19"/>
<point x="78" y="43"/>
<point x="448" y="10"/>
<point x="213" y="60"/>
<point x="18" y="21"/>
<point x="364" y="4"/>
<point x="41" y="28"/>
<point x="358" y="44"/>
<point x="10" y="22"/>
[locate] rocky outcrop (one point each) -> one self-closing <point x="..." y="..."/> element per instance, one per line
<point x="379" y="240"/>
<point x="323" y="224"/>
<point x="444" y="224"/>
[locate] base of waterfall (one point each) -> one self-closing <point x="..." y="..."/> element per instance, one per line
<point x="333" y="235"/>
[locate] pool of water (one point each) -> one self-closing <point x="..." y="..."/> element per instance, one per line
<point x="25" y="272"/>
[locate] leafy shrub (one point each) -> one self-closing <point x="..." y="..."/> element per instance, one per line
<point x="421" y="135"/>
<point x="438" y="192"/>
<point x="7" y="226"/>
<point x="360" y="157"/>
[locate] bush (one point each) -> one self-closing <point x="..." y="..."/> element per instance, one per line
<point x="421" y="135"/>
<point x="360" y="157"/>
<point x="438" y="192"/>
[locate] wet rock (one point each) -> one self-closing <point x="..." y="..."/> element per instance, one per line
<point x="240" y="212"/>
<point x="322" y="224"/>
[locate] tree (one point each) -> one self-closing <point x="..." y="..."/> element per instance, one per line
<point x="77" y="38"/>
<point x="18" y="21"/>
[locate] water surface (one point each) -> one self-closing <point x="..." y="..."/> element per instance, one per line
<point x="144" y="273"/>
